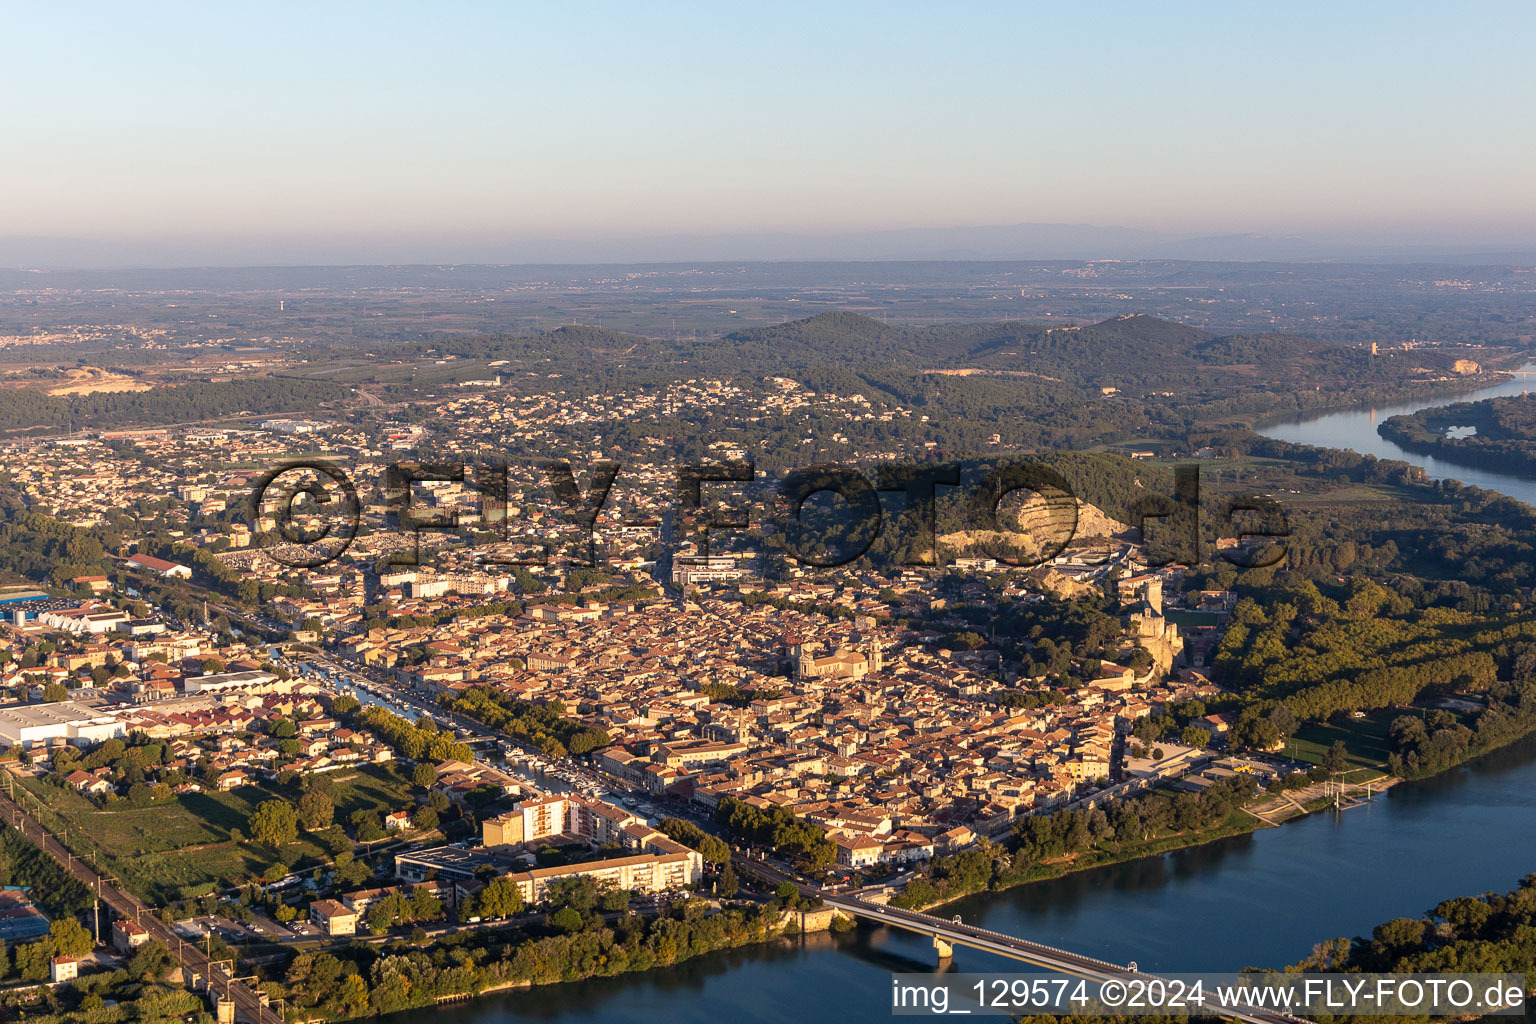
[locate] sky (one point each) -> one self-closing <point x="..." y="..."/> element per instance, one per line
<point x="248" y="128"/>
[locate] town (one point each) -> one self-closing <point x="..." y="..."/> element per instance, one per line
<point x="427" y="732"/>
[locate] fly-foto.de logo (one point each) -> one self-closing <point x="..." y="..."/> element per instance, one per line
<point x="307" y="513"/>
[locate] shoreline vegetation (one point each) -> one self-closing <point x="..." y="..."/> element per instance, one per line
<point x="634" y="944"/>
<point x="578" y="941"/>
<point x="1413" y="391"/>
<point x="1242" y="821"/>
<point x="1269" y="811"/>
<point x="1504" y="438"/>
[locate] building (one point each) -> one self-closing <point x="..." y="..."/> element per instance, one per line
<point x="221" y="681"/>
<point x="128" y="936"/>
<point x="63" y="968"/>
<point x="688" y="570"/>
<point x="333" y="918"/>
<point x="528" y="820"/>
<point x="858" y="852"/>
<point x="97" y="619"/>
<point x="841" y="664"/>
<point x="646" y="872"/>
<point x="85" y="782"/>
<point x="160" y="566"/>
<point x="450" y="864"/>
<point x="61" y="720"/>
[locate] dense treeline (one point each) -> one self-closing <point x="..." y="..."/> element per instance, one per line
<point x="1037" y="386"/>
<point x="1318" y="651"/>
<point x="1492" y="933"/>
<point x="137" y="991"/>
<point x="1437" y="740"/>
<point x="183" y="402"/>
<point x="366" y="982"/>
<point x="1505" y="438"/>
<point x="727" y="693"/>
<point x="42" y="548"/>
<point x="712" y="848"/>
<point x="1438" y="530"/>
<point x="54" y="889"/>
<point x="545" y="725"/>
<point x="1041" y="840"/>
<point x="778" y="828"/>
<point x="419" y="740"/>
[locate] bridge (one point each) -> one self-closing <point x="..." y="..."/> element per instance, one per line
<point x="947" y="934"/>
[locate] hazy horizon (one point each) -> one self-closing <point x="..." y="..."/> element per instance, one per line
<point x="1045" y="242"/>
<point x="181" y="135"/>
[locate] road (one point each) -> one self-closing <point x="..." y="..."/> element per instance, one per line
<point x="248" y="1006"/>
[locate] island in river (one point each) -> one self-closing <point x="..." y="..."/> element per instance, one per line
<point x="1495" y="433"/>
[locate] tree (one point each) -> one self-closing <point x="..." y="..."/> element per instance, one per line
<point x="381" y="914"/>
<point x="1194" y="736"/>
<point x="350" y="871"/>
<point x="69" y="938"/>
<point x="32" y="960"/>
<point x="150" y="962"/>
<point x="55" y="692"/>
<point x="728" y="884"/>
<point x="424" y="906"/>
<point x="1337" y="758"/>
<point x="424" y="775"/>
<point x="424" y="818"/>
<point x="367" y="825"/>
<point x="275" y="823"/>
<point x="500" y="898"/>
<point x="567" y="919"/>
<point x="316" y="810"/>
<point x="1283" y="720"/>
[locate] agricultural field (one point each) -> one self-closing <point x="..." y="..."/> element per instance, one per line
<point x="199" y="840"/>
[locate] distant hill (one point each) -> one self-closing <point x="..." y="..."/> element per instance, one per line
<point x="1135" y="350"/>
<point x="1055" y="386"/>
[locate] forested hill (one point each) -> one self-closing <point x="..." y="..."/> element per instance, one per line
<point x="1132" y="379"/>
<point x="181" y="402"/>
<point x="1134" y="351"/>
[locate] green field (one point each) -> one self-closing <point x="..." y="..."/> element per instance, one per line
<point x="1365" y="738"/>
<point x="164" y="851"/>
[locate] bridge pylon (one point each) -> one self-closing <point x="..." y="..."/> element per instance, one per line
<point x="946" y="951"/>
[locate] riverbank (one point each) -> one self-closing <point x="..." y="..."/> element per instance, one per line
<point x="369" y="982"/>
<point x="1271" y="812"/>
<point x="1501" y="440"/>
<point x="1422" y="394"/>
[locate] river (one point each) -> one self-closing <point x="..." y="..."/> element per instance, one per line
<point x="1258" y="899"/>
<point x="1356" y="428"/>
